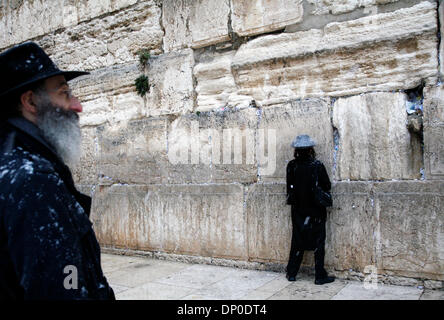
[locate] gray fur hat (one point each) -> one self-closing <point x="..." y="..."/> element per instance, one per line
<point x="303" y="141"/>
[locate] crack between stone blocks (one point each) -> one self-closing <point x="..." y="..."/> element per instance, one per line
<point x="336" y="138"/>
<point x="160" y="5"/>
<point x="438" y="34"/>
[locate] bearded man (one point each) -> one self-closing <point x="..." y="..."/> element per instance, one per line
<point x="48" y="249"/>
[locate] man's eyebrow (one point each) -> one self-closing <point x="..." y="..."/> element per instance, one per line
<point x="61" y="84"/>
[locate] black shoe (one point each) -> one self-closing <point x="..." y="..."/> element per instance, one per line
<point x="291" y="278"/>
<point x="324" y="280"/>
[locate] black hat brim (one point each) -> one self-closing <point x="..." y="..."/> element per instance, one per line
<point x="69" y="75"/>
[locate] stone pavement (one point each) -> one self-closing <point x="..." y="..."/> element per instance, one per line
<point x="141" y="278"/>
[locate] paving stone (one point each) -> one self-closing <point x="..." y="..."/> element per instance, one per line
<point x="238" y="285"/>
<point x="118" y="289"/>
<point x="197" y="276"/>
<point x="275" y="285"/>
<point x="141" y="273"/>
<point x="357" y="291"/>
<point x="154" y="291"/>
<point x="305" y="289"/>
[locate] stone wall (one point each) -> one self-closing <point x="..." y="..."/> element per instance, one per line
<point x="196" y="167"/>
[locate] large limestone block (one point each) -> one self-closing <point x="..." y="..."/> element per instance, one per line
<point x="411" y="226"/>
<point x="189" y="151"/>
<point x="108" y="95"/>
<point x="433" y="105"/>
<point x="344" y="58"/>
<point x="195" y="23"/>
<point x="338" y="7"/>
<point x="203" y="220"/>
<point x="215" y="87"/>
<point x="351" y="227"/>
<point x="171" y="83"/>
<point x="433" y="132"/>
<point x="441" y="45"/>
<point x="286" y="121"/>
<point x="133" y="152"/>
<point x="113" y="79"/>
<point x="374" y="142"/>
<point x="434" y="151"/>
<point x="234" y="134"/>
<point x="217" y="147"/>
<point x="269" y="223"/>
<point x="96" y="111"/>
<point x="107" y="40"/>
<point x="23" y="20"/>
<point x="261" y="16"/>
<point x="86" y="171"/>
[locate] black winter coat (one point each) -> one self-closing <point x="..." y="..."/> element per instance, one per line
<point x="307" y="218"/>
<point x="301" y="179"/>
<point x="46" y="238"/>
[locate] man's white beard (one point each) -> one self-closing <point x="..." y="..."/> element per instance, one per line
<point x="61" y="129"/>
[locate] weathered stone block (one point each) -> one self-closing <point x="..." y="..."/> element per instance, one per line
<point x="433" y="105"/>
<point x="343" y="6"/>
<point x="216" y="88"/>
<point x="261" y="16"/>
<point x="374" y="143"/>
<point x="22" y="20"/>
<point x="134" y="152"/>
<point x="171" y="83"/>
<point x="344" y="58"/>
<point x="188" y="154"/>
<point x="441" y="45"/>
<point x="352" y="233"/>
<point x="194" y="23"/>
<point x="128" y="106"/>
<point x="411" y="223"/>
<point x="213" y="147"/>
<point x="205" y="220"/>
<point x="433" y="132"/>
<point x="108" y="40"/>
<point x="86" y="171"/>
<point x="307" y="116"/>
<point x="109" y="95"/>
<point x="269" y="223"/>
<point x="96" y="111"/>
<point x="434" y="151"/>
<point x="110" y="80"/>
<point x="238" y="156"/>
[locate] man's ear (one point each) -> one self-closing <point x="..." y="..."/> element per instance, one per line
<point x="28" y="103"/>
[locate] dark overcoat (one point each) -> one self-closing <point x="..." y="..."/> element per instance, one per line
<point x="308" y="219"/>
<point x="48" y="249"/>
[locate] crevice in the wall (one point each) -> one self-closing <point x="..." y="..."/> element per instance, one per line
<point x="194" y="80"/>
<point x="160" y="5"/>
<point x="414" y="109"/>
<point x="336" y="139"/>
<point x="438" y="34"/>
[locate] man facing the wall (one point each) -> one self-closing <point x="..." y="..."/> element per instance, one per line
<point x="48" y="249"/>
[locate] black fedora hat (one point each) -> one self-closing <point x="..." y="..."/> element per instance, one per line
<point x="26" y="64"/>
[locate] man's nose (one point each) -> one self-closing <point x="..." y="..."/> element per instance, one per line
<point x="75" y="105"/>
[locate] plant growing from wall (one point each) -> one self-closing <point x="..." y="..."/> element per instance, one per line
<point x="142" y="85"/>
<point x="144" y="56"/>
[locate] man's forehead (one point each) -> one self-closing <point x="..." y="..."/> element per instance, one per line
<point x="56" y="82"/>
